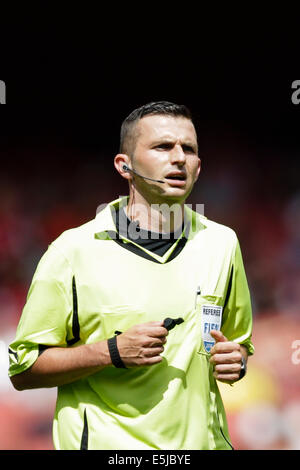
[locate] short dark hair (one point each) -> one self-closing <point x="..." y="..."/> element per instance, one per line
<point x="128" y="135"/>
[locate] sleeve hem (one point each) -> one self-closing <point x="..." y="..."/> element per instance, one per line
<point x="16" y="369"/>
<point x="249" y="347"/>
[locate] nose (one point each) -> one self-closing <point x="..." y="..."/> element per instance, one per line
<point x="178" y="155"/>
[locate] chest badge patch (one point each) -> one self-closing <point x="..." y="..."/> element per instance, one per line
<point x="211" y="320"/>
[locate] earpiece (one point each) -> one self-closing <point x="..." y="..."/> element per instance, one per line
<point x="126" y="168"/>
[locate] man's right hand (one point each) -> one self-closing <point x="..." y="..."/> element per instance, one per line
<point x="142" y="344"/>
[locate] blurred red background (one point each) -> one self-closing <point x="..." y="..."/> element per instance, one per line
<point x="36" y="206"/>
<point x="57" y="168"/>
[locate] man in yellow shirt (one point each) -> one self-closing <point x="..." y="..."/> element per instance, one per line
<point x="134" y="315"/>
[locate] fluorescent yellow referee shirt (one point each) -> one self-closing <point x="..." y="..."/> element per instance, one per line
<point x="87" y="285"/>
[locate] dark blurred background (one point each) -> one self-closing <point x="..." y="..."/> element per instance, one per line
<point x="68" y="88"/>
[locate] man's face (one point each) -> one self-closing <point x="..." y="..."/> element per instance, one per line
<point x="166" y="149"/>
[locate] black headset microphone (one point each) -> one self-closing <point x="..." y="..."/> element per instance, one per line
<point x="126" y="168"/>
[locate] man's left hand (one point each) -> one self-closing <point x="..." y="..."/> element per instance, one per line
<point x="226" y="357"/>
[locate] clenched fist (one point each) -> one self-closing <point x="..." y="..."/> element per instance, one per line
<point x="142" y="344"/>
<point x="226" y="357"/>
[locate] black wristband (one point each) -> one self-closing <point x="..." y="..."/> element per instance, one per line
<point x="243" y="369"/>
<point x="114" y="353"/>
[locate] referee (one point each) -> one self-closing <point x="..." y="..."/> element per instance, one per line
<point x="135" y="315"/>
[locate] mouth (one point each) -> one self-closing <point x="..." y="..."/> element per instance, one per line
<point x="176" y="178"/>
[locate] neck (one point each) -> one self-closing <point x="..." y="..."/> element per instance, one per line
<point x="163" y="217"/>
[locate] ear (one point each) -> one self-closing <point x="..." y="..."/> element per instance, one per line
<point x="120" y="160"/>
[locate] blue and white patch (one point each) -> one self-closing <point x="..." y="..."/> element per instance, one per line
<point x="211" y="320"/>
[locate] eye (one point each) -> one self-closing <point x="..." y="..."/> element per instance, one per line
<point x="164" y="146"/>
<point x="188" y="149"/>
